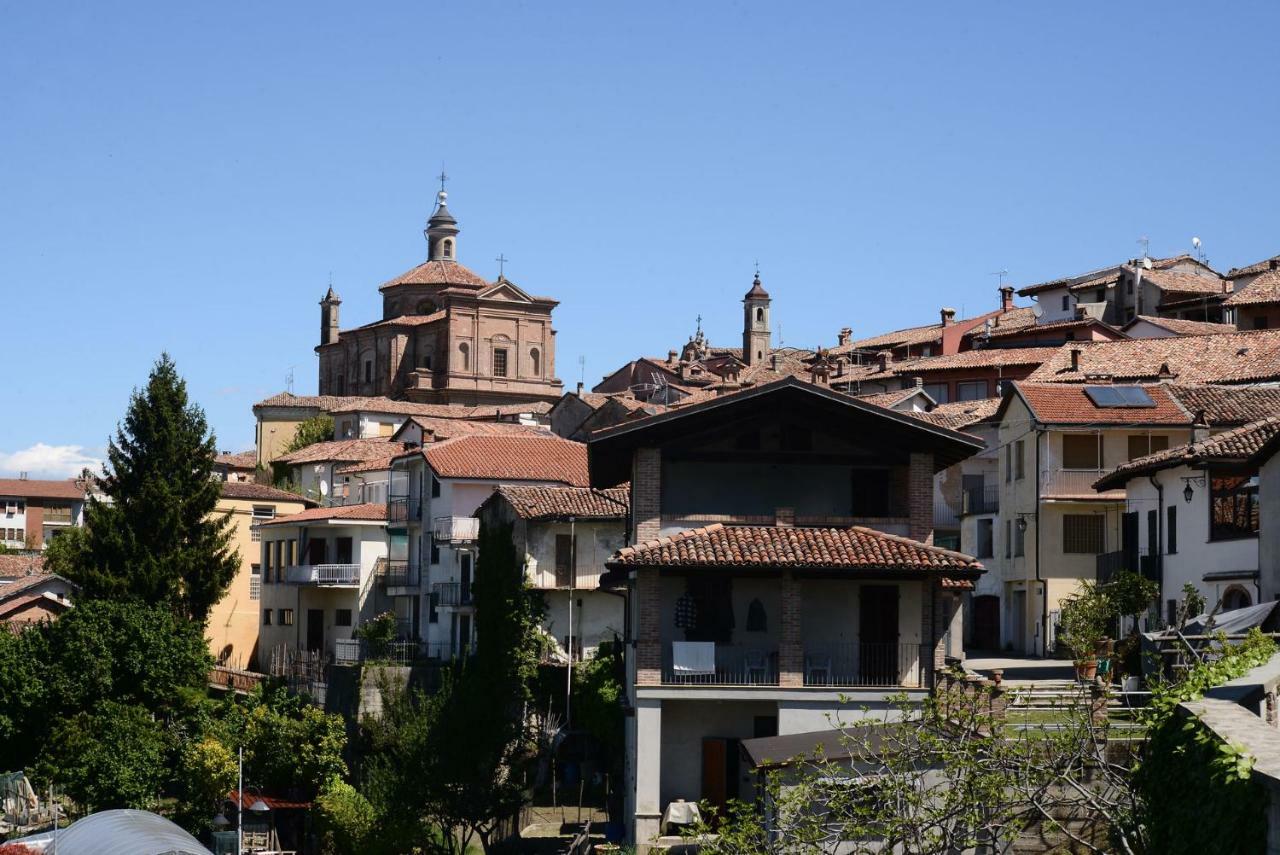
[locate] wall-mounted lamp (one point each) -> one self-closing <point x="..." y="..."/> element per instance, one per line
<point x="1022" y="521"/>
<point x="1188" y="480"/>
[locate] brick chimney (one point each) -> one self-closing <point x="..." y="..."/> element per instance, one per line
<point x="882" y="359"/>
<point x="671" y="357"/>
<point x="845" y="335"/>
<point x="1006" y="298"/>
<point x="773" y="361"/>
<point x="1075" y="359"/>
<point x="579" y="388"/>
<point x="1199" y="427"/>
<point x="948" y="316"/>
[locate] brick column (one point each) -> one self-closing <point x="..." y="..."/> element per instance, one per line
<point x="933" y="627"/>
<point x="648" y="631"/>
<point x="790" y="648"/>
<point x="920" y="497"/>
<point x="646" y="486"/>
<point x="35" y="525"/>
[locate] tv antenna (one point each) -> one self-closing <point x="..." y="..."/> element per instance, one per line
<point x="288" y="380"/>
<point x="1000" y="275"/>
<point x="1145" y="243"/>
<point x="582" y="369"/>
<point x="1195" y="243"/>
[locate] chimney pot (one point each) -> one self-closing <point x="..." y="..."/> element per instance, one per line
<point x="882" y="358"/>
<point x="1075" y="359"/>
<point x="1006" y="298"/>
<point x="919" y="382"/>
<point x="579" y="388"/>
<point x="845" y="335"/>
<point x="773" y="361"/>
<point x="948" y="317"/>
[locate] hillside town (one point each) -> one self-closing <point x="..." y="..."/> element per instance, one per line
<point x="634" y="614"/>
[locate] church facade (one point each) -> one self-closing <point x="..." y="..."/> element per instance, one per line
<point x="446" y="336"/>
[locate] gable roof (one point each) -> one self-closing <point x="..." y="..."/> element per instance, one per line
<point x="889" y="400"/>
<point x="1263" y="291"/>
<point x="1224" y="358"/>
<point x="35" y="488"/>
<point x="1053" y="327"/>
<point x="1110" y="273"/>
<point x="855" y="548"/>
<point x="240" y="460"/>
<point x="15" y="564"/>
<point x="985" y="358"/>
<point x="610" y="449"/>
<point x="558" y="503"/>
<point x="368" y="511"/>
<point x="1185" y="283"/>
<point x="1237" y="445"/>
<point x="1182" y="327"/>
<point x="1257" y="267"/>
<point x="437" y="272"/>
<point x="24" y="584"/>
<point x="958" y="415"/>
<point x="510" y="458"/>
<point x="250" y="491"/>
<point x="347" y="450"/>
<point x="1068" y="403"/>
<point x="441" y="429"/>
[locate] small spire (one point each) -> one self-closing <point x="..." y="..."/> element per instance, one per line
<point x="757" y="291"/>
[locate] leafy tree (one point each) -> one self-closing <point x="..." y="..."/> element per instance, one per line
<point x="158" y="540"/>
<point x="344" y="818"/>
<point x="207" y="770"/>
<point x="313" y="430"/>
<point x="597" y="708"/>
<point x="114" y="756"/>
<point x="23" y="694"/>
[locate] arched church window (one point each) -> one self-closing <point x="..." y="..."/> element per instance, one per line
<point x="464" y="351"/>
<point x="759" y="315"/>
<point x="447" y="248"/>
<point x="535" y="362"/>
<point x="757" y="621"/>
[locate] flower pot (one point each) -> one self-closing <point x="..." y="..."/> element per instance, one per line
<point x="1086" y="669"/>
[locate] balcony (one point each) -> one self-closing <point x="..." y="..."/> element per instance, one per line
<point x="854" y="664"/>
<point x="825" y="665"/>
<point x="731" y="665"/>
<point x="403" y="509"/>
<point x="981" y="500"/>
<point x="324" y="575"/>
<point x="1110" y="563"/>
<point x="452" y="594"/>
<point x="398" y="573"/>
<point x="54" y="515"/>
<point x="455" y="529"/>
<point x="1076" y="484"/>
<point x="944" y="516"/>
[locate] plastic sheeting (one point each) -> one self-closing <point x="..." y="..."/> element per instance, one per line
<point x="118" y="832"/>
<point x="1234" y="622"/>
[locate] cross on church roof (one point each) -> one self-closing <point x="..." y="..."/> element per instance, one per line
<point x="442" y="176"/>
<point x="502" y="263"/>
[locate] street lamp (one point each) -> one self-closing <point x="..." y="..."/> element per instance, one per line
<point x="1188" y="480"/>
<point x="259" y="807"/>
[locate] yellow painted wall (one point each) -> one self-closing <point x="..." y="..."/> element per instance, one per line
<point x="233" y="621"/>
<point x="273" y="436"/>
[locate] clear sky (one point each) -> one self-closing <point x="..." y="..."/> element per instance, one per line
<point x="187" y="176"/>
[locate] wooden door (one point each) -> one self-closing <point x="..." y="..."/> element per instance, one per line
<point x="878" y="635"/>
<point x="986" y="622"/>
<point x="315" y="551"/>
<point x="719" y="771"/>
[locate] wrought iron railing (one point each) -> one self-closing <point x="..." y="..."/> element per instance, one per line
<point x="456" y="529"/>
<point x="734" y="665"/>
<point x="981" y="500"/>
<point x="398" y="573"/>
<point x="858" y="663"/>
<point x="452" y="593"/>
<point x="323" y="574"/>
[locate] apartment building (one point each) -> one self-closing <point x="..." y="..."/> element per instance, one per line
<point x="563" y="536"/>
<point x="433" y="532"/>
<point x="34" y="511"/>
<point x="234" y="621"/>
<point x="326" y="472"/>
<point x="1053" y="442"/>
<point x="318" y="579"/>
<point x="778" y="572"/>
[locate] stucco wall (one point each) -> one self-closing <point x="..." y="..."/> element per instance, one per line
<point x="1269" y="529"/>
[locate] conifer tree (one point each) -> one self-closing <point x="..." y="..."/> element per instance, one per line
<point x="157" y="539"/>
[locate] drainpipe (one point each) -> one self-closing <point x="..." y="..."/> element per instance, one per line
<point x="1044" y="587"/>
<point x="1160" y="534"/>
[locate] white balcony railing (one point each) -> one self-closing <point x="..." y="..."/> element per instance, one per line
<point x="456" y="529"/>
<point x="324" y="574"/>
<point x="1074" y="483"/>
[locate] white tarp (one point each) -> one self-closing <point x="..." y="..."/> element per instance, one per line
<point x="118" y="832"/>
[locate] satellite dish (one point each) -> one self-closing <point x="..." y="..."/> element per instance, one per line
<point x="1037" y="310"/>
<point x="324" y="487"/>
<point x="1146" y="263"/>
<point x="1195" y="241"/>
<point x="989" y="323"/>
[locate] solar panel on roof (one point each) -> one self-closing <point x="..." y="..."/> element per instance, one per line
<point x="1119" y="396"/>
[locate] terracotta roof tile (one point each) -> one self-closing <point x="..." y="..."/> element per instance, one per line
<point x="550" y="503"/>
<point x="349" y="450"/>
<point x="1183" y="327"/>
<point x="855" y="548"/>
<point x="35" y="488"/>
<point x="1232" y="446"/>
<point x="437" y="272"/>
<point x="1068" y="403"/>
<point x="368" y="511"/>
<point x="1241" y="357"/>
<point x="510" y="458"/>
<point x="1052" y="326"/>
<point x="18" y="564"/>
<point x="240" y="460"/>
<point x="959" y="415"/>
<point x="250" y="491"/>
<point x="1185" y="283"/>
<point x="400" y="321"/>
<point x="889" y="399"/>
<point x="327" y="403"/>
<point x="1257" y="267"/>
<point x="985" y="358"/>
<point x="1229" y="405"/>
<point x="441" y="429"/>
<point x="1263" y="291"/>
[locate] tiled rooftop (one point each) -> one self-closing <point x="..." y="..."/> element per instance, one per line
<point x="342" y="449"/>
<point x="959" y="415"/>
<point x="1227" y="358"/>
<point x="16" y="565"/>
<point x="1263" y="291"/>
<point x="1184" y="327"/>
<point x="1232" y="446"/>
<point x="36" y="488"/>
<point x="1068" y="403"/>
<point x="1229" y="405"/>
<point x="510" y="458"/>
<point x="374" y="511"/>
<point x="240" y="460"/>
<point x="437" y="272"/>
<point x="855" y="548"/>
<point x="549" y="503"/>
<point x="261" y="492"/>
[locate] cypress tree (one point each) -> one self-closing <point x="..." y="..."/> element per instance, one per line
<point x="157" y="540"/>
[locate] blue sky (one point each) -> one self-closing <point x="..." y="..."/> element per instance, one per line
<point x="186" y="177"/>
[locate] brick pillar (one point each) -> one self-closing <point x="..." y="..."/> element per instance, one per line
<point x="648" y="631"/>
<point x="646" y="486"/>
<point x="790" y="648"/>
<point x="920" y="497"/>
<point x="933" y="626"/>
<point x="35" y="525"/>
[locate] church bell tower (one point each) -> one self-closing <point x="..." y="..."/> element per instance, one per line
<point x="442" y="230"/>
<point x="757" y="341"/>
<point x="329" y="317"/>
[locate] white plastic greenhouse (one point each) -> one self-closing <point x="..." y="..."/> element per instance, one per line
<point x="117" y="832"/>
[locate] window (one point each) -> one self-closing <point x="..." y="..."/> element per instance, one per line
<point x="1234" y="598"/>
<point x="433" y="608"/>
<point x="1008" y="538"/>
<point x="971" y="390"/>
<point x="291" y="552"/>
<point x="1019" y="540"/>
<point x="435" y="551"/>
<point x="368" y="371"/>
<point x="937" y="391"/>
<point x="757" y="620"/>
<point x="535" y="362"/>
<point x="1008" y="463"/>
<point x="759" y="315"/>
<point x="565" y="548"/>
<point x="266" y="559"/>
<point x="266" y="617"/>
<point x="1066" y="303"/>
<point x="286" y="617"/>
<point x="342" y="617"/>
<point x="1080" y="451"/>
<point x="1082" y="534"/>
<point x="464" y="352"/>
<point x="499" y="362"/>
<point x="1142" y="445"/>
<point x="448" y="248"/>
<point x="263" y="512"/>
<point x="986" y="538"/>
<point x="1171" y="530"/>
<point x="873" y="493"/>
<point x="1019" y="460"/>
<point x="435" y="486"/>
<point x="1233" y="505"/>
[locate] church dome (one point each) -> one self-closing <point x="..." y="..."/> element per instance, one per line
<point x="438" y="272"/>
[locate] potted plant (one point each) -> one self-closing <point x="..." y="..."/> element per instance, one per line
<point x="1085" y="617"/>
